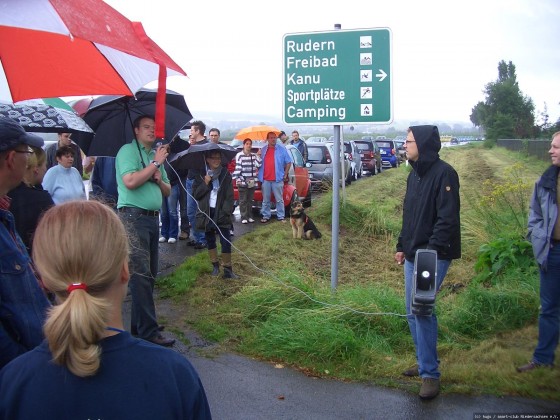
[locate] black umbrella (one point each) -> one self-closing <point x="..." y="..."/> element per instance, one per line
<point x="194" y="156"/>
<point x="111" y="118"/>
<point x="48" y="115"/>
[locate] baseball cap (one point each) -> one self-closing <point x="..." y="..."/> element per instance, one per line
<point x="12" y="134"/>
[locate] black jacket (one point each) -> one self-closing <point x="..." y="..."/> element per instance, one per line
<point x="431" y="205"/>
<point x="28" y="205"/>
<point x="224" y="202"/>
<point x="176" y="146"/>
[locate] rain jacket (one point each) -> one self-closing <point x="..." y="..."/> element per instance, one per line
<point x="543" y="212"/>
<point x="224" y="202"/>
<point x="431" y="204"/>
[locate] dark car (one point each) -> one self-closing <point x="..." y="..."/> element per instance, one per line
<point x="371" y="155"/>
<point x="389" y="153"/>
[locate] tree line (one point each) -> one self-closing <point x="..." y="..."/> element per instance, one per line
<point x="508" y="113"/>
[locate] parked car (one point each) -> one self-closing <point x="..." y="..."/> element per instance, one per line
<point x="298" y="186"/>
<point x="355" y="157"/>
<point x="400" y="150"/>
<point x="316" y="140"/>
<point x="371" y="155"/>
<point x="320" y="160"/>
<point x="389" y="154"/>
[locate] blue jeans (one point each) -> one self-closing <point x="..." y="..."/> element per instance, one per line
<point x="276" y="188"/>
<point x="169" y="215"/>
<point x="144" y="232"/>
<point x="549" y="317"/>
<point x="192" y="206"/>
<point x="424" y="329"/>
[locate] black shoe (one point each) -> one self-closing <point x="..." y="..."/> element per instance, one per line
<point x="191" y="242"/>
<point x="161" y="340"/>
<point x="200" y="245"/>
<point x="229" y="274"/>
<point x="215" y="269"/>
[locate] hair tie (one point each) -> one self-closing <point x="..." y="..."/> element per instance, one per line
<point x="75" y="286"/>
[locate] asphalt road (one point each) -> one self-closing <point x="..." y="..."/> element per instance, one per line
<point x="243" y="388"/>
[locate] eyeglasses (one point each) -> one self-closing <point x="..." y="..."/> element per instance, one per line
<point x="409" y="141"/>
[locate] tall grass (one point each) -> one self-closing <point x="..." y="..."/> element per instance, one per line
<point x="283" y="308"/>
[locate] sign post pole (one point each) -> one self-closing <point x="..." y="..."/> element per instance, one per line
<point x="336" y="78"/>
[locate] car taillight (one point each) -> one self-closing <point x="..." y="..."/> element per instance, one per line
<point x="350" y="158"/>
<point x="328" y="157"/>
<point x="371" y="155"/>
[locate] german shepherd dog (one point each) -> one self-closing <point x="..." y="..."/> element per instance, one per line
<point x="302" y="226"/>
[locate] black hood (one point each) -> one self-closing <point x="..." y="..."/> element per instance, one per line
<point x="428" y="144"/>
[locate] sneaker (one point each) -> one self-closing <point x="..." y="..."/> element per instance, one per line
<point x="183" y="235"/>
<point x="162" y="239"/>
<point x="411" y="371"/>
<point x="429" y="388"/>
<point x="244" y="221"/>
<point x="251" y="220"/>
<point x="531" y="366"/>
<point x="171" y="240"/>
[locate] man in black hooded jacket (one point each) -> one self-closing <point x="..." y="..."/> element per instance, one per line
<point x="430" y="221"/>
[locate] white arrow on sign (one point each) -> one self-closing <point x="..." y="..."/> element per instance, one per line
<point x="382" y="75"/>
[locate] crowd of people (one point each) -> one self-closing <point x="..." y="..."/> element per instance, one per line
<point x="61" y="326"/>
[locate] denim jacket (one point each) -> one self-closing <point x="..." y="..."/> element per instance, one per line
<point x="543" y="211"/>
<point x="281" y="158"/>
<point x="23" y="304"/>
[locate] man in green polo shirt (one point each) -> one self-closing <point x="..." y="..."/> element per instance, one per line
<point x="142" y="183"/>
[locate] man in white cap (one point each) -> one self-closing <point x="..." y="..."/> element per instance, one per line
<point x="23" y="303"/>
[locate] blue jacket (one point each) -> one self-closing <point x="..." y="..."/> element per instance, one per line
<point x="137" y="380"/>
<point x="543" y="211"/>
<point x="23" y="304"/>
<point x="281" y="158"/>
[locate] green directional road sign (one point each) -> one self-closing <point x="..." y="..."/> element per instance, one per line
<point x="338" y="77"/>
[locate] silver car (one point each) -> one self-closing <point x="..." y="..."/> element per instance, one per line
<point x="320" y="157"/>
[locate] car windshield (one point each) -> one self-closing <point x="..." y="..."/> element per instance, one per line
<point x="384" y="144"/>
<point x="314" y="154"/>
<point x="296" y="156"/>
<point x="363" y="146"/>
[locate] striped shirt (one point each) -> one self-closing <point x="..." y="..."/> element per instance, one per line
<point x="246" y="166"/>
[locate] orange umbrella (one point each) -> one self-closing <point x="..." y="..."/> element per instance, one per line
<point x="256" y="132"/>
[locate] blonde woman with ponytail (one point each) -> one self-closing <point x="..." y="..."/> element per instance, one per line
<point x="88" y="366"/>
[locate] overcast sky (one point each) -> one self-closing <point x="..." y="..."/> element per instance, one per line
<point x="444" y="52"/>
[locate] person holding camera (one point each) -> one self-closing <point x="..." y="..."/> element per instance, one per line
<point x="142" y="183"/>
<point x="247" y="166"/>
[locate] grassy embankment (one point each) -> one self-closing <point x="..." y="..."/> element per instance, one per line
<point x="283" y="309"/>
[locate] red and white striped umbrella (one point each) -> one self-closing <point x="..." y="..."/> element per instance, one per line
<point x="54" y="48"/>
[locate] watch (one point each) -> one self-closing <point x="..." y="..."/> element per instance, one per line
<point x="156" y="164"/>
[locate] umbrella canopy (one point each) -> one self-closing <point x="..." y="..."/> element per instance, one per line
<point x="54" y="48"/>
<point x="51" y="115"/>
<point x="193" y="157"/>
<point x="111" y="118"/>
<point x="256" y="132"/>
